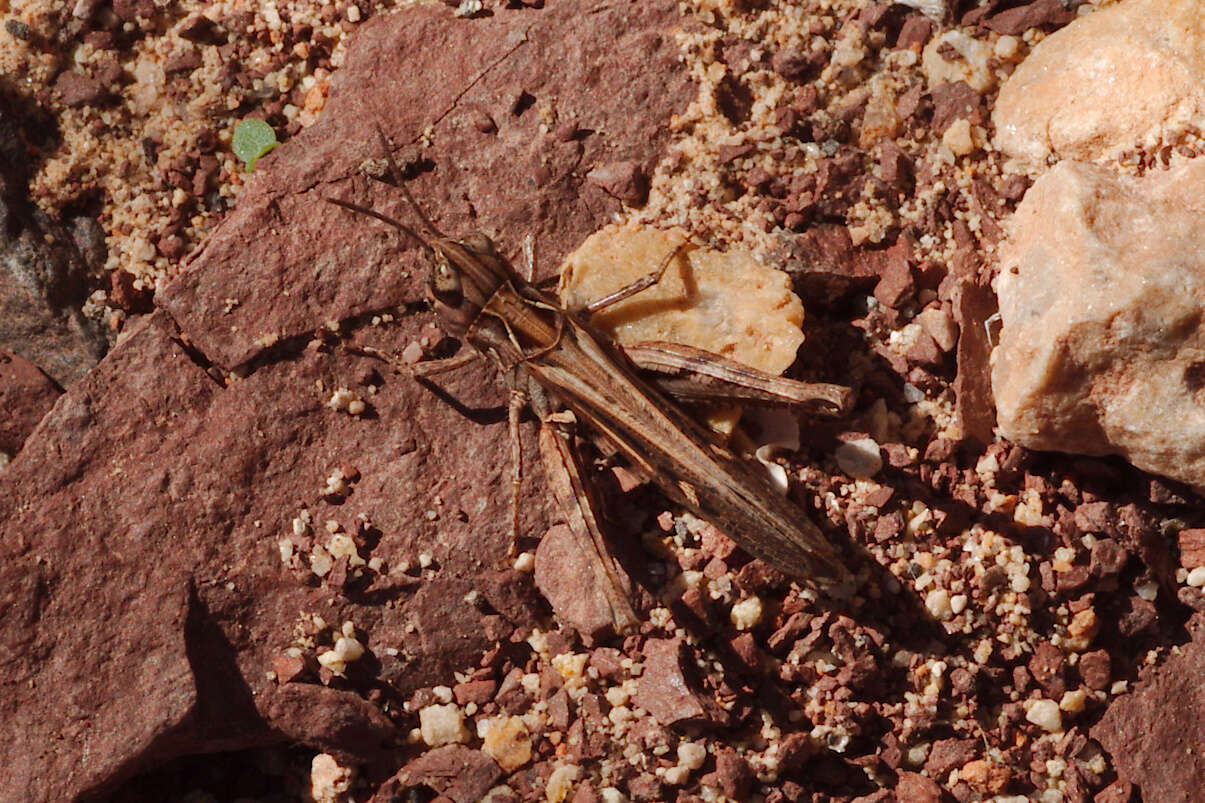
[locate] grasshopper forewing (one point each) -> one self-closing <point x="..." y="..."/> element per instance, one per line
<point x="481" y="300"/>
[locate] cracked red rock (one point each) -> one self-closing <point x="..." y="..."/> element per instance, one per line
<point x="148" y="450"/>
<point x="1154" y="733"/>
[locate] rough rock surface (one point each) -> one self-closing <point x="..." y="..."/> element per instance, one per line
<point x="1155" y="733"/>
<point x="25" y="395"/>
<point x="1102" y="349"/>
<point x="143" y="595"/>
<point x="1131" y="74"/>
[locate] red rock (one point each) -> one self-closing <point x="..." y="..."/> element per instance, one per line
<point x="26" y="395"/>
<point x="1154" y="733"/>
<point x="880" y="497"/>
<point x="798" y="65"/>
<point x="458" y="773"/>
<point x="202" y="463"/>
<point x="796" y="750"/>
<point x="950" y="754"/>
<point x="288" y="667"/>
<point x="667" y="691"/>
<point x="1192" y="548"/>
<point x="631" y="91"/>
<point x="475" y="691"/>
<point x="625" y="181"/>
<point x="75" y="89"/>
<point x="1038" y="14"/>
<point x="124" y="296"/>
<point x="917" y="789"/>
<point x="955" y="101"/>
<point x="925" y="351"/>
<point x="200" y="29"/>
<point x="821" y="262"/>
<point x="914" y="33"/>
<point x="561" y="565"/>
<point x="734" y="774"/>
<point x="893" y="267"/>
<point x="1108" y="558"/>
<point x="895" y="166"/>
<point x="1137" y="616"/>
<point x="337" y="722"/>
<point x="183" y="60"/>
<point x="585" y="793"/>
<point x="974" y="402"/>
<point x="1096" y="670"/>
<point x="1047" y="665"/>
<point x="645" y="788"/>
<point x="1095" y="517"/>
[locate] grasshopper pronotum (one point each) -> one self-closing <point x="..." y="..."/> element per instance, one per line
<point x="551" y="354"/>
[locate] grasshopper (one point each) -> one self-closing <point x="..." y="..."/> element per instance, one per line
<point x="549" y="353"/>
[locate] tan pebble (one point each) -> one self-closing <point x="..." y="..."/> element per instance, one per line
<point x="508" y="742"/>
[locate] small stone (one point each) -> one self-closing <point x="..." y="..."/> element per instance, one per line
<point x="1192" y="548"/>
<point x="329" y="781"/>
<point x="916" y="788"/>
<point x="665" y="690"/>
<point x="949" y="754"/>
<point x="624" y="181"/>
<point x="940" y="326"/>
<point x="959" y="138"/>
<point x="734" y="774"/>
<point x="77" y="90"/>
<point x="747" y="613"/>
<point x="184" y="60"/>
<point x="508" y="742"/>
<point x="1045" y="714"/>
<point x="1096" y="670"/>
<point x="1046" y="666"/>
<point x="475" y="691"/>
<point x="985" y="777"/>
<point x="288" y="667"/>
<point x="859" y="458"/>
<point x="1073" y="701"/>
<point x="1037" y="13"/>
<point x="564" y="574"/>
<point x="457" y="773"/>
<point x="938" y="603"/>
<point x="442" y="724"/>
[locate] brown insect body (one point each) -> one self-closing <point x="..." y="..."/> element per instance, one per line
<point x="482" y="299"/>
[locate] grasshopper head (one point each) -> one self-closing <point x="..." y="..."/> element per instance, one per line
<point x="464" y="275"/>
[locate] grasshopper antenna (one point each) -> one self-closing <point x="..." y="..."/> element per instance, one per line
<point x="402" y="227"/>
<point x="399" y="181"/>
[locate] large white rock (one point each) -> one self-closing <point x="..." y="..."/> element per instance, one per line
<point x="1102" y="299"/>
<point x="1131" y="74"/>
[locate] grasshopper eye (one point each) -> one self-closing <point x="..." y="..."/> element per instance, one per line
<point x="478" y="243"/>
<point x="445" y="283"/>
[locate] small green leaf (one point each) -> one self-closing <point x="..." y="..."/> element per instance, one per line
<point x="252" y="139"/>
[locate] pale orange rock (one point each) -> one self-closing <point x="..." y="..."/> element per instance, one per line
<point x="1102" y="348"/>
<point x="508" y="742"/>
<point x="1133" y="73"/>
<point x="722" y="301"/>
